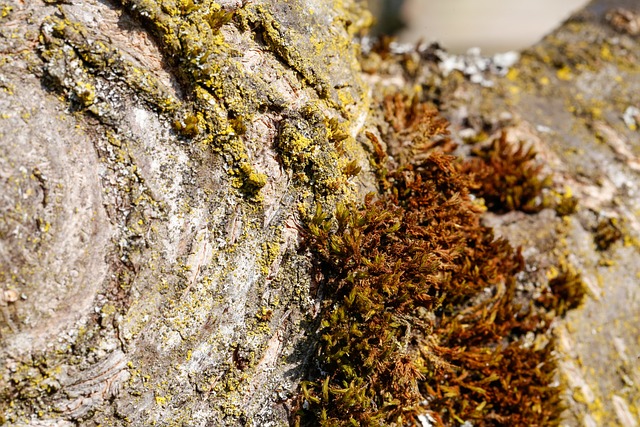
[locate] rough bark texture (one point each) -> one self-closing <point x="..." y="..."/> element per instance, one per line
<point x="156" y="271"/>
<point x="156" y="161"/>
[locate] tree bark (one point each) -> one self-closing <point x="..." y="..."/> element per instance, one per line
<point x="157" y="160"/>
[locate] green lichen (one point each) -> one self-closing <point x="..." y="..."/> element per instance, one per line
<point x="225" y="96"/>
<point x="224" y="101"/>
<point x="188" y="125"/>
<point x="252" y="180"/>
<point x="74" y="60"/>
<point x="270" y="251"/>
<point x="310" y="148"/>
<point x="280" y="41"/>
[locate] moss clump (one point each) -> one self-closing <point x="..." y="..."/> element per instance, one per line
<point x="566" y="205"/>
<point x="507" y="176"/>
<point x="607" y="232"/>
<point x="423" y="316"/>
<point x="565" y="291"/>
<point x="414" y="124"/>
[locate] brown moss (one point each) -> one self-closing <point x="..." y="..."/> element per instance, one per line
<point x="565" y="291"/>
<point x="507" y="176"/>
<point x="607" y="232"/>
<point x="415" y="127"/>
<point x="423" y="317"/>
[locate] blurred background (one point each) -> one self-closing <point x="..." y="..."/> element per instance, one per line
<point x="493" y="25"/>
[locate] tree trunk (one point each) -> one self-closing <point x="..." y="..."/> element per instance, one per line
<point x="158" y="158"/>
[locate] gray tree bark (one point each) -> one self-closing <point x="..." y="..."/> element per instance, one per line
<point x="157" y="158"/>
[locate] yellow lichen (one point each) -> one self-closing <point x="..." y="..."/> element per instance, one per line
<point x="564" y="73"/>
<point x="5" y="10"/>
<point x="270" y="251"/>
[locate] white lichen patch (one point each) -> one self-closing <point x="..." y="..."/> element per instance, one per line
<point x="476" y="67"/>
<point x="631" y="117"/>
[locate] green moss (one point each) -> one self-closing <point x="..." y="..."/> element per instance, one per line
<point x="225" y="98"/>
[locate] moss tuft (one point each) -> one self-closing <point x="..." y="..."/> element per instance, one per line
<point x="566" y="205"/>
<point x="507" y="177"/>
<point x="415" y="125"/>
<point x="565" y="292"/>
<point x="607" y="232"/>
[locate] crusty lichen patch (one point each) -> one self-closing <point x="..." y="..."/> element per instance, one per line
<point x="74" y="59"/>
